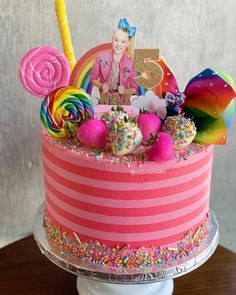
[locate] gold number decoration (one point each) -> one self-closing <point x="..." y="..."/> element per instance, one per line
<point x="151" y="73"/>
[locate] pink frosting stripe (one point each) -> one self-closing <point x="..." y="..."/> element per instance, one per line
<point x="119" y="186"/>
<point x="79" y="215"/>
<point x="170" y="241"/>
<point x="155" y="204"/>
<point x="132" y="228"/>
<point x="102" y="209"/>
<point x="133" y="194"/>
<point x="74" y="198"/>
<point x="85" y="169"/>
<point x="125" y="237"/>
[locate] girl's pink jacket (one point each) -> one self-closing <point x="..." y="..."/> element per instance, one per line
<point x="102" y="68"/>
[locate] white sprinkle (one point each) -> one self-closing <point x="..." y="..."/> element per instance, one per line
<point x="77" y="238"/>
<point x="173" y="249"/>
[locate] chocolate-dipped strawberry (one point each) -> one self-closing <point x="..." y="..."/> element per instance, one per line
<point x="161" y="148"/>
<point x="149" y="124"/>
<point x="125" y="138"/>
<point x="182" y="130"/>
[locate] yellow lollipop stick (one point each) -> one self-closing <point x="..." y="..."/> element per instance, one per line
<point x="65" y="32"/>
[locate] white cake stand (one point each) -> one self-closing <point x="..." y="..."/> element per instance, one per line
<point x="93" y="279"/>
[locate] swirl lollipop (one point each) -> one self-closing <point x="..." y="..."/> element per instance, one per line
<point x="44" y="69"/>
<point x="63" y="110"/>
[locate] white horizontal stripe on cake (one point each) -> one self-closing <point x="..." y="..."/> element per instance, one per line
<point x="124" y="186"/>
<point x="121" y="220"/>
<point x="126" y="237"/>
<point x="140" y="203"/>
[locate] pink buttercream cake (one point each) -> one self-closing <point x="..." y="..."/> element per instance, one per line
<point x="125" y="203"/>
<point x="126" y="186"/>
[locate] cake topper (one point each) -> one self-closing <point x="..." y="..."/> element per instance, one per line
<point x="113" y="71"/>
<point x="118" y="73"/>
<point x="118" y="69"/>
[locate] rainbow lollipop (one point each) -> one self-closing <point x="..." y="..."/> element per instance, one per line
<point x="64" y="109"/>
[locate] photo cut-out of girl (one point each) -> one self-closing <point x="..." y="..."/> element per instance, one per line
<point x="112" y="71"/>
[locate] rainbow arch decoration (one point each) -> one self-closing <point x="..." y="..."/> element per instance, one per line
<point x="80" y="76"/>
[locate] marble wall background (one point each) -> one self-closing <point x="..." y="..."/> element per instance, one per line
<point x="192" y="35"/>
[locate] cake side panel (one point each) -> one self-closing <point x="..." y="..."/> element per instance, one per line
<point x="118" y="208"/>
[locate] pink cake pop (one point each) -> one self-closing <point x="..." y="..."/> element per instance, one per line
<point x="92" y="133"/>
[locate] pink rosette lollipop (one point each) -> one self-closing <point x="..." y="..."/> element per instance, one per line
<point x="44" y="69"/>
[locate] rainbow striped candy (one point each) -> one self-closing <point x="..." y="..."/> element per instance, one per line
<point x="63" y="110"/>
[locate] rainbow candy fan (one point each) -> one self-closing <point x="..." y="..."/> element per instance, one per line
<point x="207" y="97"/>
<point x="63" y="110"/>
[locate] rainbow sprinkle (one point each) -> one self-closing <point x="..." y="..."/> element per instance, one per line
<point x="138" y="157"/>
<point x="116" y="257"/>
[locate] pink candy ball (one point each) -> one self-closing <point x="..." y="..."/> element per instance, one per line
<point x="162" y="149"/>
<point x="92" y="133"/>
<point x="149" y="124"/>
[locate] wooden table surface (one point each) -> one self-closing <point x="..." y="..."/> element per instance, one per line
<point x="25" y="271"/>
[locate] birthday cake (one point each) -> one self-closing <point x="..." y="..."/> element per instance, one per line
<point x="127" y="156"/>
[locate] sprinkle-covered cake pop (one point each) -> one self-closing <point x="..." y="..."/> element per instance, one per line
<point x="113" y="117"/>
<point x="182" y="130"/>
<point x="125" y="138"/>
